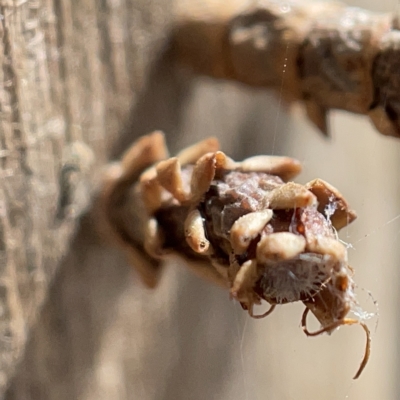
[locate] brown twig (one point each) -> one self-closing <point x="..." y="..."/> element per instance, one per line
<point x="326" y="55"/>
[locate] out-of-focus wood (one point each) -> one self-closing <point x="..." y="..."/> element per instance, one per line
<point x="325" y="54"/>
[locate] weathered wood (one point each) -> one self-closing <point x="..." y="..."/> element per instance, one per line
<point x="69" y="73"/>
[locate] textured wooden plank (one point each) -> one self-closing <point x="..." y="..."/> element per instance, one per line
<point x="65" y="86"/>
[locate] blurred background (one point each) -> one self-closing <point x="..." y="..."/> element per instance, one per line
<point x="101" y="335"/>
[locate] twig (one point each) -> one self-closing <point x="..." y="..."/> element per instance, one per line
<point x="326" y="55"/>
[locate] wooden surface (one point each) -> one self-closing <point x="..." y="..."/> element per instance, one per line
<point x="100" y="334"/>
<point x="69" y="73"/>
